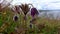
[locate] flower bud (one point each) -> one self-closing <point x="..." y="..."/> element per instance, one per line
<point x="34" y="12"/>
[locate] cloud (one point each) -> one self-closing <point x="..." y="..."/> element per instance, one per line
<point x="41" y="4"/>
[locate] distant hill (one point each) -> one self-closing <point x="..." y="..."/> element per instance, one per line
<point x="50" y="13"/>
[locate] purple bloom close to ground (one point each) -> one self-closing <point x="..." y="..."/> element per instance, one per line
<point x="34" y="12"/>
<point x="30" y="25"/>
<point x="15" y="18"/>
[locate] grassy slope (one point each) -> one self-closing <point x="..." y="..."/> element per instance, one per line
<point x="50" y="26"/>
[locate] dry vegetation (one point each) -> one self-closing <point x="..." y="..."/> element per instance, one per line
<point x="40" y="25"/>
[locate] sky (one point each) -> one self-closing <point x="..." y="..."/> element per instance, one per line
<point x="41" y="4"/>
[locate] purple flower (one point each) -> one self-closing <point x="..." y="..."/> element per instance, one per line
<point x="25" y="8"/>
<point x="17" y="9"/>
<point x="34" y="12"/>
<point x="30" y="25"/>
<point x="15" y="18"/>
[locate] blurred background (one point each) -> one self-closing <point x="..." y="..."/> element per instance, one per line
<point x="45" y="7"/>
